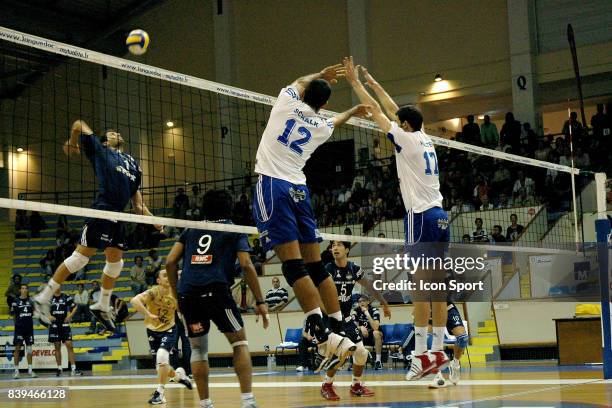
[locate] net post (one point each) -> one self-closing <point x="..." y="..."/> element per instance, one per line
<point x="604" y="249"/>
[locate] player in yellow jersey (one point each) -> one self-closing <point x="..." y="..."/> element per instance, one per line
<point x="159" y="306"/>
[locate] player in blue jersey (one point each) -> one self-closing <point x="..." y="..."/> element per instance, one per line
<point x="21" y="310"/>
<point x="119" y="178"/>
<point x="426" y="223"/>
<point x="203" y="292"/>
<point x="282" y="210"/>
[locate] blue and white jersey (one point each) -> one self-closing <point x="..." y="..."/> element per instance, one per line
<point x="293" y="133"/>
<point x="417" y="169"/>
<point x="118" y="174"/>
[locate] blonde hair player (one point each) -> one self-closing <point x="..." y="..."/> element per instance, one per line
<point x="119" y="179"/>
<point x="159" y="306"/>
<point x="426" y="223"/>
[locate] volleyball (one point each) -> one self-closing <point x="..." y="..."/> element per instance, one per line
<point x="137" y="42"/>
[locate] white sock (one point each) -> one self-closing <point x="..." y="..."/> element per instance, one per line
<point x="378" y="357"/>
<point x="29" y="368"/>
<point x="16" y="369"/>
<point x="328" y="379"/>
<point x="47" y="292"/>
<point x="315" y="311"/>
<point x="356" y="380"/>
<point x="438" y="339"/>
<point x="205" y="403"/>
<point x="73" y="367"/>
<point x="59" y="368"/>
<point x="160" y="389"/>
<point x="246" y="396"/>
<point x="420" y="342"/>
<point x="337" y="316"/>
<point x="105" y="295"/>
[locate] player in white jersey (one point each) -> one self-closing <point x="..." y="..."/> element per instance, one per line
<point x="282" y="210"/>
<point x="426" y="223"/>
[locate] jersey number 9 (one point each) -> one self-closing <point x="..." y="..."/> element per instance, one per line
<point x="204" y="243"/>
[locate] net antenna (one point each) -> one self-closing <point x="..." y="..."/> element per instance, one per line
<point x="573" y="178"/>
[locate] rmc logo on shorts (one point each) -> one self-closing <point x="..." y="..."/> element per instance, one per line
<point x="201" y="259"/>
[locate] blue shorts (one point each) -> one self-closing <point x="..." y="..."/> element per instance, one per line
<point x="283" y="213"/>
<point x="101" y="234"/>
<point x="427" y="232"/>
<point x="165" y="339"/>
<point x="453" y="319"/>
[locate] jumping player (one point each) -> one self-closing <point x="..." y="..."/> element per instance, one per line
<point x="204" y="293"/>
<point x="426" y="223"/>
<point x="21" y="310"/>
<point x="345" y="275"/>
<point x="119" y="179"/>
<point x="62" y="310"/>
<point x="158" y="305"/>
<point x="282" y="210"/>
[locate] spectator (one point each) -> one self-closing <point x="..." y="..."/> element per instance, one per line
<point x="479" y="234"/>
<point x="542" y="152"/>
<point x="466" y="239"/>
<point x="582" y="159"/>
<point x="497" y="235"/>
<point x="525" y="183"/>
<point x="120" y="308"/>
<point x="459" y="207"/>
<point x="326" y="255"/>
<point x="242" y="211"/>
<point x="306" y="342"/>
<point x="153" y="265"/>
<point x="514" y="230"/>
<point x="485" y="203"/>
<point x="347" y="231"/>
<point x="37" y="224"/>
<point x="81" y="299"/>
<point x="62" y="234"/>
<point x="489" y="137"/>
<point x="573" y="126"/>
<point x="481" y="189"/>
<point x="510" y="133"/>
<point x="21" y="220"/>
<point x="381" y="235"/>
<point x="276" y="297"/>
<point x="501" y="178"/>
<point x="599" y="123"/>
<point x="48" y="263"/>
<point x="195" y="203"/>
<point x="504" y="201"/>
<point x="471" y="131"/>
<point x="12" y="292"/>
<point x="181" y="204"/>
<point x="138" y="281"/>
<point x="528" y="138"/>
<point x="345" y="195"/>
<point x="258" y="252"/>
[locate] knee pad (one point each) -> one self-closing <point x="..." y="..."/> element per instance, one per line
<point x="240" y="343"/>
<point x="162" y="357"/>
<point x="28" y="350"/>
<point x="113" y="269"/>
<point x="317" y="272"/>
<point x="463" y="340"/>
<point x="76" y="262"/>
<point x="199" y="349"/>
<point x="360" y="356"/>
<point x="293" y="270"/>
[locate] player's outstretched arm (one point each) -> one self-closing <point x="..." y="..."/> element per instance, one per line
<point x="140" y="208"/>
<point x="172" y="261"/>
<point x="367" y="285"/>
<point x="72" y="144"/>
<point x="139" y="301"/>
<point x="358" y="110"/>
<point x="352" y="76"/>
<point x="330" y="74"/>
<point x="250" y="276"/>
<point x="388" y="103"/>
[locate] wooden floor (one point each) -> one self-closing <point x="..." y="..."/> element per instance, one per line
<point x="507" y="386"/>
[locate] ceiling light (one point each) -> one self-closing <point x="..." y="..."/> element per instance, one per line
<point x="438" y="78"/>
<point x="169" y="123"/>
<point x="20" y="149"/>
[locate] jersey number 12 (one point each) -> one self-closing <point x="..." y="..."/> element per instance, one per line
<point x="296" y="144"/>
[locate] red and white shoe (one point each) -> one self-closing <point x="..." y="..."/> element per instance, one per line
<point x="441" y="359"/>
<point x="360" y="390"/>
<point x="328" y="392"/>
<point x="422" y="365"/>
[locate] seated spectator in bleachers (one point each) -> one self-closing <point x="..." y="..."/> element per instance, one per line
<point x="466" y="239"/>
<point x="479" y="234"/>
<point x="48" y="263"/>
<point x="63" y="234"/>
<point x="242" y="211"/>
<point x="489" y="137"/>
<point x="120" y="308"/>
<point x="138" y="281"/>
<point x="306" y="342"/>
<point x="485" y="204"/>
<point x="504" y="201"/>
<point x="12" y="292"/>
<point x="582" y="159"/>
<point x="258" y="251"/>
<point x="153" y="265"/>
<point x="195" y="203"/>
<point x="521" y="199"/>
<point x="524" y="182"/>
<point x="81" y="299"/>
<point x="181" y="204"/>
<point x="481" y="189"/>
<point x="497" y="235"/>
<point x="276" y="297"/>
<point x="501" y="178"/>
<point x="460" y="207"/>
<point x="471" y="131"/>
<point x="37" y="224"/>
<point x="21" y="220"/>
<point x="515" y="229"/>
<point x="542" y="152"/>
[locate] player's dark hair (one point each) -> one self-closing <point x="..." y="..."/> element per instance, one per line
<point x="478" y="219"/>
<point x="411" y="114"/>
<point x="136" y="258"/>
<point x="24" y="284"/>
<point x="498" y="226"/>
<point x="217" y="205"/>
<point x="317" y="94"/>
<point x="345" y="244"/>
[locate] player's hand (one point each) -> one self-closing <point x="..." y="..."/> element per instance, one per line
<point x="68" y="319"/>
<point x="52" y="318"/>
<point x="387" y="311"/>
<point x="158" y="227"/>
<point x="364" y="310"/>
<point x="332" y="73"/>
<point x="151" y="316"/>
<point x="262" y="310"/>
<point x="71" y="149"/>
<point x="370" y="81"/>
<point x="363" y="111"/>
<point x="352" y="76"/>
